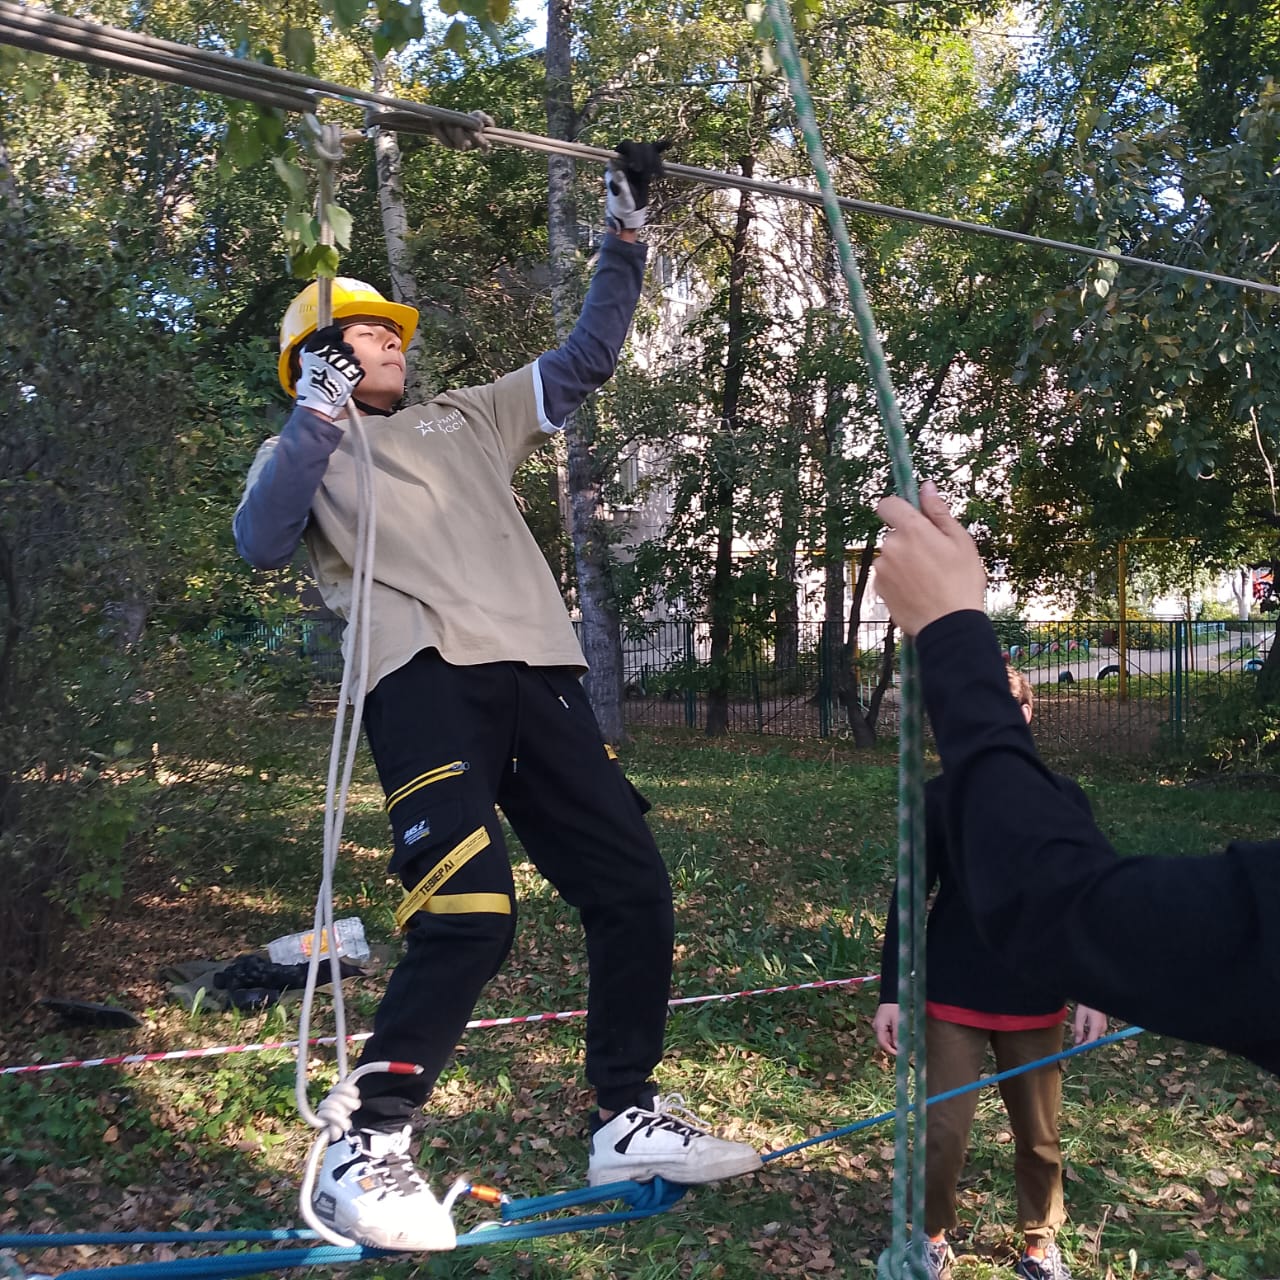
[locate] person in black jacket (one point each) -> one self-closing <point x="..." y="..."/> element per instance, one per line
<point x="974" y="1001"/>
<point x="1186" y="946"/>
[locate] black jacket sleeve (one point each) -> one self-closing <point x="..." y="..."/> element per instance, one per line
<point x="1186" y="946"/>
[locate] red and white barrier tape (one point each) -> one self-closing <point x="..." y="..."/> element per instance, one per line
<point x="173" y="1055"/>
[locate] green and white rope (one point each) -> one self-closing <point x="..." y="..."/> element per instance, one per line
<point x="904" y="1258"/>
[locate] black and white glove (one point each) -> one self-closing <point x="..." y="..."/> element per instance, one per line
<point x="626" y="183"/>
<point x="329" y="373"/>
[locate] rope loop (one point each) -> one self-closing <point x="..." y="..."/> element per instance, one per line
<point x="450" y="133"/>
<point x="326" y="139"/>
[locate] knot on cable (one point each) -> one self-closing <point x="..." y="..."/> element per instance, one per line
<point x="339" y="1105"/>
<point x="452" y="132"/>
<point x="326" y="139"/>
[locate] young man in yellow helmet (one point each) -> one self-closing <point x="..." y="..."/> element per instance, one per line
<point x="476" y="700"/>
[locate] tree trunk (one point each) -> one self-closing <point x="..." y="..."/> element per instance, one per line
<point x="885" y="678"/>
<point x="830" y="447"/>
<point x="724" y="450"/>
<point x="833" y="547"/>
<point x="861" y="721"/>
<point x="395" y="231"/>
<point x="601" y="633"/>
<point x="786" y="650"/>
<point x="1242" y="591"/>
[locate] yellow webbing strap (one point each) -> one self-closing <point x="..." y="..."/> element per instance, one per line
<point x="416" y="899"/>
<point x="610" y="752"/>
<point x="458" y="904"/>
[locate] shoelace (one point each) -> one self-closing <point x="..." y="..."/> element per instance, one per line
<point x="672" y="1114"/>
<point x="396" y="1172"/>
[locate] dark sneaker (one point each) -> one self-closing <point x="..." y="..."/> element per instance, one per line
<point x="667" y="1141"/>
<point x="1050" y="1267"/>
<point x="369" y="1190"/>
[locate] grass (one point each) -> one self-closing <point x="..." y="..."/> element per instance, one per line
<point x="780" y="858"/>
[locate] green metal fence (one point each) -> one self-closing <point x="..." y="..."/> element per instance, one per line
<point x="802" y="682"/>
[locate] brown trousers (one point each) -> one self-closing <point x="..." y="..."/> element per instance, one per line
<point x="955" y="1057"/>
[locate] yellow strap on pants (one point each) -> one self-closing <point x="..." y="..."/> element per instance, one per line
<point x="417" y="898"/>
<point x="459" y="904"/>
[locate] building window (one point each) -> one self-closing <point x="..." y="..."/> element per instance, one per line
<point x="628" y="479"/>
<point x="677" y="285"/>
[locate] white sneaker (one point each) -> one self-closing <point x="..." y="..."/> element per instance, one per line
<point x="664" y="1141"/>
<point x="370" y="1190"/>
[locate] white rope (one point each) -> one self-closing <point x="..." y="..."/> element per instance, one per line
<point x="333" y="1116"/>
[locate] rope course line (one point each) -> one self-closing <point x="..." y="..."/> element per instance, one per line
<point x="521" y="1220"/>
<point x="904" y="1257"/>
<point x="476" y="1024"/>
<point x="643" y="1200"/>
<point x="60" y="36"/>
<point x="996" y="1078"/>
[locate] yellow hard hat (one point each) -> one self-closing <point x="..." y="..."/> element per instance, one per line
<point x="350" y="298"/>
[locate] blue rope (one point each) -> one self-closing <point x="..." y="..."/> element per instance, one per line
<point x="644" y="1201"/>
<point x="955" y="1093"/>
<point x="642" y="1197"/>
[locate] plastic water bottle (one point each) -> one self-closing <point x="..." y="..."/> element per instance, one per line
<point x="296" y="948"/>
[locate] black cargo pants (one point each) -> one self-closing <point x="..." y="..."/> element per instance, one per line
<point x="449" y="743"/>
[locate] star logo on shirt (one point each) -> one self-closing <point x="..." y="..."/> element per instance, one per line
<point x="445" y="425"/>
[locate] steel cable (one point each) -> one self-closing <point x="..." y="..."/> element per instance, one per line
<point x="62" y="36"/>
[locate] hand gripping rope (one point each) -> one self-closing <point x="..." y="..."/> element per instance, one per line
<point x="902" y="1259"/>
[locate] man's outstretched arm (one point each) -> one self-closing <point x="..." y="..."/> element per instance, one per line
<point x="588" y="357"/>
<point x="282" y="483"/>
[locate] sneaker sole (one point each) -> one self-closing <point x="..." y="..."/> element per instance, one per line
<point x="673" y="1171"/>
<point x="441" y="1241"/>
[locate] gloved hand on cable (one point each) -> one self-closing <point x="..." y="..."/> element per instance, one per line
<point x="329" y="372"/>
<point x="626" y="183"/>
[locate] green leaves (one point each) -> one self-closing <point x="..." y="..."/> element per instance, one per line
<point x="300" y="49"/>
<point x="347" y="12"/>
<point x="455" y="37"/>
<point x="252" y="133"/>
<point x="340" y="223"/>
<point x="293" y="177"/>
